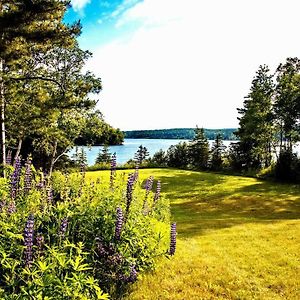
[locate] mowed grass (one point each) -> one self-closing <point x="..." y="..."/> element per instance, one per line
<point x="238" y="238"/>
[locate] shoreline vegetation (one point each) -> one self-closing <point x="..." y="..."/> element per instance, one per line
<point x="180" y="134"/>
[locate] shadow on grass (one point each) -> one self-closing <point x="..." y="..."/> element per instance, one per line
<point x="203" y="201"/>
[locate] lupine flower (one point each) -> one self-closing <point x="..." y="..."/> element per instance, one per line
<point x="63" y="227"/>
<point x="15" y="178"/>
<point x="129" y="192"/>
<point x="133" y="274"/>
<point x="101" y="250"/>
<point x="157" y="193"/>
<point x="40" y="241"/>
<point x="49" y="194"/>
<point x="11" y="207"/>
<point x="28" y="240"/>
<point x="113" y="165"/>
<point x="173" y="239"/>
<point x="83" y="169"/>
<point x="149" y="184"/>
<point x="8" y="157"/>
<point x="119" y="223"/>
<point x="28" y="175"/>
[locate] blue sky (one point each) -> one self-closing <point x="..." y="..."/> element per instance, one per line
<point x="178" y="63"/>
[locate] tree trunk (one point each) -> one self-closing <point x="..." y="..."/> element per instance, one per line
<point x="18" y="149"/>
<point x="53" y="159"/>
<point x="2" y="117"/>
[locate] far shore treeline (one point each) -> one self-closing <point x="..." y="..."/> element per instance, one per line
<point x="180" y="133"/>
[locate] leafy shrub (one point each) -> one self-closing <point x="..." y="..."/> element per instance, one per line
<point x="69" y="238"/>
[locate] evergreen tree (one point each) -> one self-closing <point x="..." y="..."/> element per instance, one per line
<point x="199" y="150"/>
<point x="217" y="152"/>
<point x="141" y="154"/>
<point x="287" y="103"/>
<point x="104" y="156"/>
<point x="256" y="131"/>
<point x="178" y="155"/>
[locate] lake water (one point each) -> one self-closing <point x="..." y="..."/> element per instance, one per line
<point x="128" y="149"/>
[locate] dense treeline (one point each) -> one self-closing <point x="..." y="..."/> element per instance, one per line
<point x="44" y="94"/>
<point x="269" y="128"/>
<point x="180" y="133"/>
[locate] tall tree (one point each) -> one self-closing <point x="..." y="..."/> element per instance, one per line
<point x="199" y="150"/>
<point x="256" y="130"/>
<point x="287" y="103"/>
<point x="27" y="26"/>
<point x="217" y="152"/>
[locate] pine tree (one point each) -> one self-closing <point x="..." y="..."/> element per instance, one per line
<point x="256" y="131"/>
<point x="199" y="150"/>
<point x="104" y="156"/>
<point x="217" y="152"/>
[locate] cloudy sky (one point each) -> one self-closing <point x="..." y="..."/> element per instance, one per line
<point x="181" y="63"/>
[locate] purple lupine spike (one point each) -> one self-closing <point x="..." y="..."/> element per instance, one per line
<point x="133" y="274"/>
<point x="119" y="223"/>
<point x="11" y="207"/>
<point x="173" y="239"/>
<point x="63" y="227"/>
<point x="83" y="169"/>
<point x="100" y="247"/>
<point x="15" y="178"/>
<point x="28" y="175"/>
<point x="28" y="240"/>
<point x="49" y="194"/>
<point x="129" y="192"/>
<point x="113" y="166"/>
<point x="157" y="193"/>
<point x="9" y="157"/>
<point x="149" y="184"/>
<point x="40" y="242"/>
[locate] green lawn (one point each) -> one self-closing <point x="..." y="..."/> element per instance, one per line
<point x="238" y="238"/>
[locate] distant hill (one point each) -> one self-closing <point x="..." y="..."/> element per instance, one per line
<point x="179" y="133"/>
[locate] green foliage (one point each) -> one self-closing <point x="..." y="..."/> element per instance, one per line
<point x="104" y="156"/>
<point x="179" y="133"/>
<point x="217" y="153"/>
<point x="177" y="156"/>
<point x="256" y="131"/>
<point x="82" y="260"/>
<point x="199" y="150"/>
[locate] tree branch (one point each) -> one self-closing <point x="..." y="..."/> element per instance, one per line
<point x="38" y="78"/>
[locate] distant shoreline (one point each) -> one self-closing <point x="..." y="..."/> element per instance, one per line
<point x="179" y="134"/>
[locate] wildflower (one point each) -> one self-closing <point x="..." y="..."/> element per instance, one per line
<point x="40" y="241"/>
<point x="11" y="207"/>
<point x="49" y="194"/>
<point x="63" y="227"/>
<point x="28" y="240"/>
<point x="173" y="239"/>
<point x="15" y="178"/>
<point x="129" y="192"/>
<point x="28" y="175"/>
<point x="157" y="193"/>
<point x="119" y="223"/>
<point x="113" y="165"/>
<point x="133" y="274"/>
<point x="8" y="157"/>
<point x="149" y="184"/>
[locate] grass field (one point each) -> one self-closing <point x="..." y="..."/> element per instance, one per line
<point x="238" y="238"/>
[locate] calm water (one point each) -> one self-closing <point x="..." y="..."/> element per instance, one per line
<point x="127" y="150"/>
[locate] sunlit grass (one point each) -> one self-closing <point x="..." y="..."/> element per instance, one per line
<point x="238" y="238"/>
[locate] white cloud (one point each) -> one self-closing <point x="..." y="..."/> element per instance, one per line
<point x="191" y="62"/>
<point x="78" y="5"/>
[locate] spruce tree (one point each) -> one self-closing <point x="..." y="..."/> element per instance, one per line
<point x="256" y="129"/>
<point x="199" y="150"/>
<point x="217" y="151"/>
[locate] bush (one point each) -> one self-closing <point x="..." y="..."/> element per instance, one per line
<point x="69" y="238"/>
